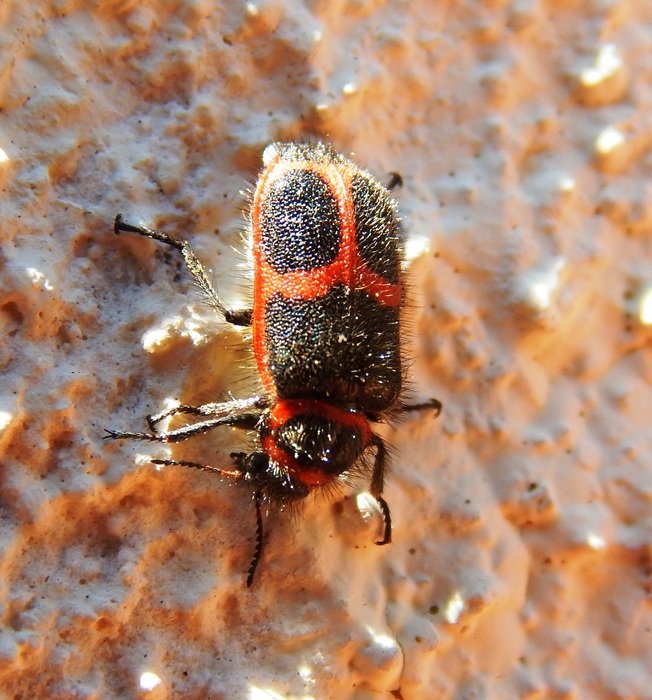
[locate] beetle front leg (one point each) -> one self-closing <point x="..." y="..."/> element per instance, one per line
<point x="377" y="485"/>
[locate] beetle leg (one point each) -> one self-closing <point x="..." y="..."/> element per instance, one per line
<point x="377" y="485"/>
<point x="231" y="473"/>
<point x="209" y="409"/>
<point x="395" y="180"/>
<point x="433" y="403"/>
<point x="246" y="419"/>
<point x="238" y="317"/>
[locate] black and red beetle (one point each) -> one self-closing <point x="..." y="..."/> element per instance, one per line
<point x="326" y="331"/>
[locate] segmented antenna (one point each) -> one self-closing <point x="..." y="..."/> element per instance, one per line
<point x="259" y="541"/>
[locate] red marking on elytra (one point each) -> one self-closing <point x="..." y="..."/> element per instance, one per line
<point x="348" y="268"/>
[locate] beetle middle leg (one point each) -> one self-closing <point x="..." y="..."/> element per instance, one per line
<point x="209" y="409"/>
<point x="243" y="414"/>
<point x="245" y="417"/>
<point x="435" y="404"/>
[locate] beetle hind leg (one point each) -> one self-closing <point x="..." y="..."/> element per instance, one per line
<point x="238" y="317"/>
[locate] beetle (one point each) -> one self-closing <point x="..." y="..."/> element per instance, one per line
<point x="326" y="326"/>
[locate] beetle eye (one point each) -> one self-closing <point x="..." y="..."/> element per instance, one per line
<point x="257" y="463"/>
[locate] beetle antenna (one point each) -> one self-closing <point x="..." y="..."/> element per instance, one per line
<point x="259" y="541"/>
